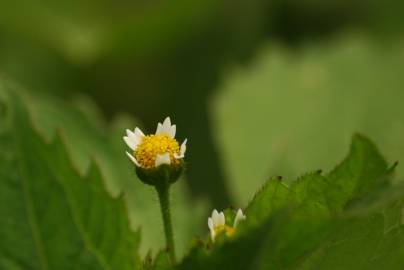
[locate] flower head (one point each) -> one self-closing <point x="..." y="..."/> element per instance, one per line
<point x="217" y="223"/>
<point x="152" y="151"/>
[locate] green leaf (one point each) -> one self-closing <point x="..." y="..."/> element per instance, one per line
<point x="273" y="195"/>
<point x="298" y="109"/>
<point x="360" y="173"/>
<point x="88" y="139"/>
<point x="350" y="218"/>
<point x="161" y="262"/>
<point x="52" y="217"/>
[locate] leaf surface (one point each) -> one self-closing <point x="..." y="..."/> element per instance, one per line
<point x="52" y="217"/>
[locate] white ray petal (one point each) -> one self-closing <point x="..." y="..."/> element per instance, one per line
<point x="221" y="219"/>
<point x="239" y="217"/>
<point x="129" y="133"/>
<point x="167" y="122"/>
<point x="139" y="133"/>
<point x="162" y="159"/>
<point x="183" y="149"/>
<point x="172" y="131"/>
<point x="159" y="128"/>
<point x="133" y="159"/>
<point x="210" y="224"/>
<point x="166" y="128"/>
<point x="133" y="139"/>
<point x="131" y="142"/>
<point x="215" y="217"/>
<point x="166" y="125"/>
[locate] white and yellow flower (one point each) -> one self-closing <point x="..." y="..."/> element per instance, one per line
<point x="151" y="151"/>
<point x="217" y="223"/>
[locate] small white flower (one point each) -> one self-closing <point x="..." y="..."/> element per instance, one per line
<point x="216" y="223"/>
<point x="150" y="151"/>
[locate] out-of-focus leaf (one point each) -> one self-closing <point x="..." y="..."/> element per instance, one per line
<point x="52" y="217"/>
<point x="85" y="32"/>
<point x="292" y="111"/>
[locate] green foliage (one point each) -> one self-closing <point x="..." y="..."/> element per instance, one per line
<point x="362" y="172"/>
<point x="70" y="198"/>
<point x="89" y="143"/>
<point x="113" y="29"/>
<point x="53" y="218"/>
<point x="161" y="262"/>
<point x="305" y="104"/>
<point x="62" y="173"/>
<point x="319" y="222"/>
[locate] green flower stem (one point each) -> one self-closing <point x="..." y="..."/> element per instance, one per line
<point x="164" y="198"/>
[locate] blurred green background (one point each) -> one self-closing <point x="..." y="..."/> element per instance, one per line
<point x="259" y="88"/>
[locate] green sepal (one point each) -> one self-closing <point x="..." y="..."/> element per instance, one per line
<point x="162" y="175"/>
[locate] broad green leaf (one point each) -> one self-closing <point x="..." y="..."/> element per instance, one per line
<point x="300" y="226"/>
<point x="307" y="191"/>
<point x="273" y="195"/>
<point x="290" y="111"/>
<point x="365" y="236"/>
<point x="360" y="173"/>
<point x="52" y="217"/>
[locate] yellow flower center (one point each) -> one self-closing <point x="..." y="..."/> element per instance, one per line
<point x="229" y="231"/>
<point x="153" y="145"/>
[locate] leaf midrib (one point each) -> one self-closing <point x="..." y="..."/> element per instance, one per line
<point x="32" y="220"/>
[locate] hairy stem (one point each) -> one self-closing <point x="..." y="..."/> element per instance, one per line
<point x="164" y="198"/>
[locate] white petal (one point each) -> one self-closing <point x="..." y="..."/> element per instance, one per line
<point x="215" y="217"/>
<point x="239" y="217"/>
<point x="162" y="159"/>
<point x="183" y="149"/>
<point x="210" y="224"/>
<point x="133" y="139"/>
<point x="172" y="131"/>
<point x="166" y="128"/>
<point x="167" y="122"/>
<point x="129" y="133"/>
<point x="159" y="128"/>
<point x="221" y="219"/>
<point x="139" y="133"/>
<point x="133" y="159"/>
<point x="131" y="142"/>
